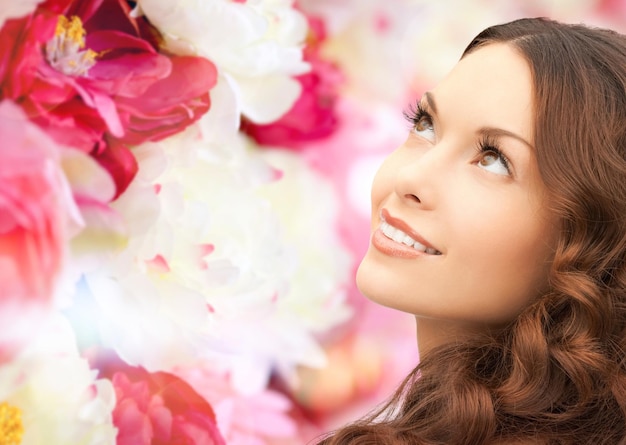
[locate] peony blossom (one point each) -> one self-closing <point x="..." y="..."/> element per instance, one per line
<point x="257" y="46"/>
<point x="193" y="257"/>
<point x="36" y="209"/>
<point x="158" y="408"/>
<point x="92" y="76"/>
<point x="48" y="394"/>
<point x="312" y="116"/>
<point x="243" y="419"/>
<point x="213" y="275"/>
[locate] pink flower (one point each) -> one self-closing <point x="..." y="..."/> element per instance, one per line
<point x="92" y="77"/>
<point x="313" y="116"/>
<point x="159" y="409"/>
<point x="35" y="205"/>
<point x="259" y="418"/>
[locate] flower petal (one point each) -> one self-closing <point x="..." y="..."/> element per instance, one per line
<point x="259" y="97"/>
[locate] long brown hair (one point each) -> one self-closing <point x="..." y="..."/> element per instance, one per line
<point x="557" y="373"/>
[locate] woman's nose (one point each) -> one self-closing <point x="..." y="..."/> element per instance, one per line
<point x="422" y="174"/>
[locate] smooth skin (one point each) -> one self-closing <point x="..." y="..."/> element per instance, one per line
<point x="487" y="215"/>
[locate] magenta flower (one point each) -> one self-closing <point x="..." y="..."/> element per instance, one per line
<point x="159" y="409"/>
<point x="93" y="78"/>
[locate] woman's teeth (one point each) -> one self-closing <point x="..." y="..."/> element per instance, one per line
<point x="400" y="237"/>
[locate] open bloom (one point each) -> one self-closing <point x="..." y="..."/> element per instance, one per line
<point x="192" y="258"/>
<point x="48" y="394"/>
<point x="243" y="419"/>
<point x="158" y="408"/>
<point x="92" y="76"/>
<point x="211" y="274"/>
<point x="36" y="207"/>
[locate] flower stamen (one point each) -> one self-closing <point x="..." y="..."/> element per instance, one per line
<point x="65" y="51"/>
<point x="11" y="427"/>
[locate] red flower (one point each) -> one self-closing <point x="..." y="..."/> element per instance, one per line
<point x="159" y="409"/>
<point x="92" y="77"/>
<point x="312" y="116"/>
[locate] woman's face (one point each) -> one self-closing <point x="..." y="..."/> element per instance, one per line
<point x="466" y="188"/>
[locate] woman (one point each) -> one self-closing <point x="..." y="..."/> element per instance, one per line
<point x="501" y="224"/>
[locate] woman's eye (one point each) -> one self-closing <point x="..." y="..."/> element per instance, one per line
<point x="421" y="122"/>
<point x="494" y="162"/>
<point x="424" y="127"/>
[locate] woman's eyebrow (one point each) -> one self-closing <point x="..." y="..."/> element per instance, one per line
<point x="430" y="100"/>
<point x="500" y="132"/>
<point x="484" y="131"/>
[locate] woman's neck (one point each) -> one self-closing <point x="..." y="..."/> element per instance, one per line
<point x="432" y="332"/>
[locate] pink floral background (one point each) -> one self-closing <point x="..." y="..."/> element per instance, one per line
<point x="184" y="199"/>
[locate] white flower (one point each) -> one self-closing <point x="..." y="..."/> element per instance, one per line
<point x="98" y="230"/>
<point x="215" y="268"/>
<point x="203" y="247"/>
<point x="52" y="396"/>
<point x="257" y="45"/>
<point x="149" y="320"/>
<point x="307" y="205"/>
<point x="11" y="9"/>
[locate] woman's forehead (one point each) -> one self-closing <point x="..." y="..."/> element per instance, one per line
<point x="489" y="87"/>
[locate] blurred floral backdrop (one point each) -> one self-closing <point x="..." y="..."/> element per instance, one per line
<point x="184" y="198"/>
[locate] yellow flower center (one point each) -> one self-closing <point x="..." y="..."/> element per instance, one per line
<point x="11" y="428"/>
<point x="71" y="29"/>
<point x="65" y="50"/>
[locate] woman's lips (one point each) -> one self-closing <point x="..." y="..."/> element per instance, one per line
<point x="396" y="238"/>
<point x="393" y="248"/>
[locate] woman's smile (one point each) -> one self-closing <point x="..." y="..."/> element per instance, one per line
<point x="396" y="238"/>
